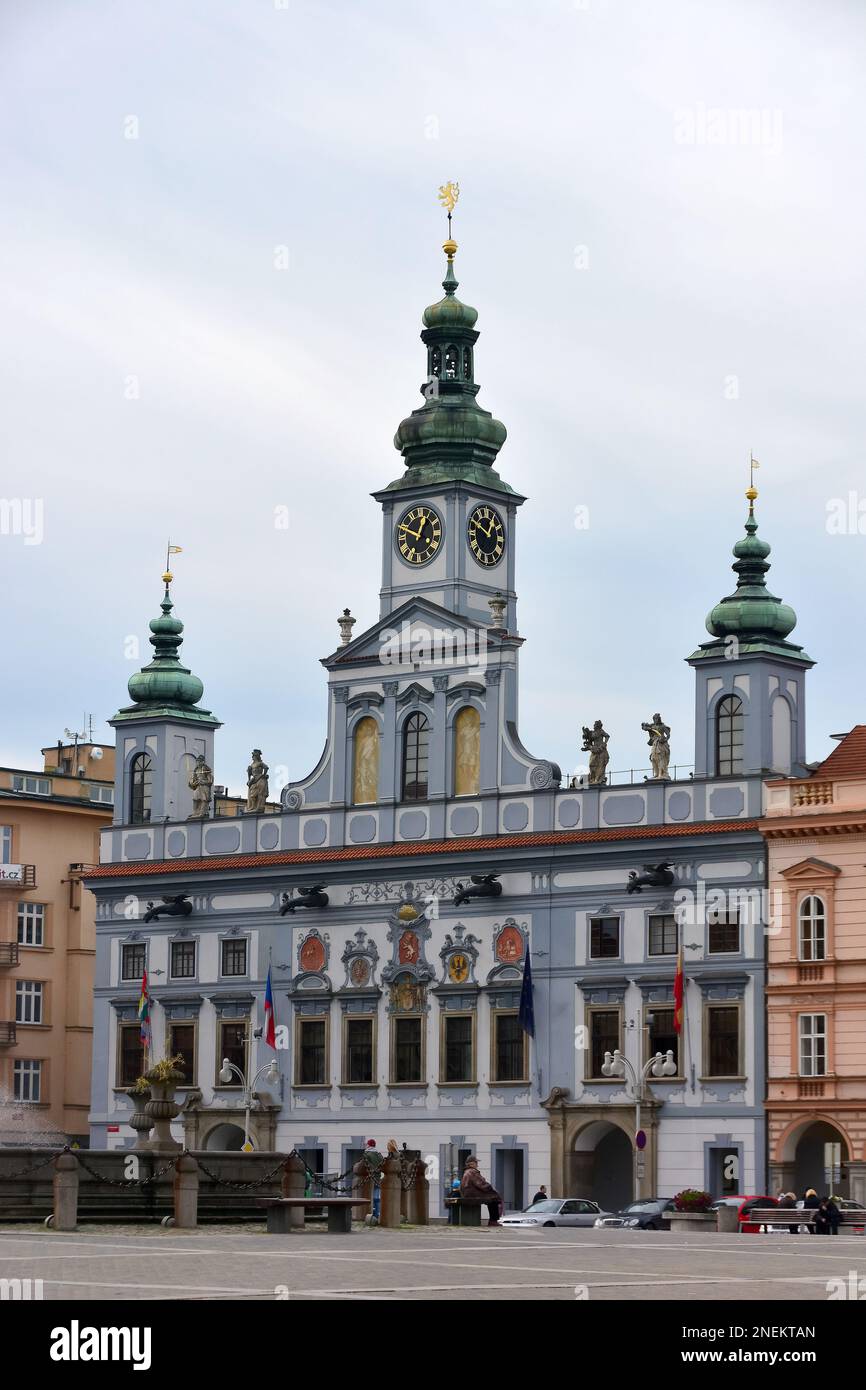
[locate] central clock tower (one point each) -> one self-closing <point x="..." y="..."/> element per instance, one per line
<point x="449" y="519"/>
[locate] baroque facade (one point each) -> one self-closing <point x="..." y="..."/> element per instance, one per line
<point x="398" y="989"/>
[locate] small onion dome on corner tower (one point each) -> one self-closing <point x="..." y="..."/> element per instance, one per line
<point x="165" y="687"/>
<point x="752" y="614"/>
<point x="450" y="437"/>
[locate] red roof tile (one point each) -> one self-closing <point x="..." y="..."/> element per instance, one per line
<point x="418" y="848"/>
<point x="849" y="759"/>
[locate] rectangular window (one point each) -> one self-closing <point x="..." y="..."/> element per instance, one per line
<point x="34" y="786"/>
<point x="723" y="932"/>
<point x="28" y="1001"/>
<point x="458" y="1063"/>
<point x="603" y="937"/>
<point x="603" y="1036"/>
<point x="31" y="924"/>
<point x="132" y="961"/>
<point x="407" y="1050"/>
<point x="663" y="935"/>
<point x="182" y="960"/>
<point x="358" y="1055"/>
<point x="232" y="1048"/>
<point x="5" y="844"/>
<point x="234" y="955"/>
<point x="813" y="1044"/>
<point x="312" y="1052"/>
<point x="130" y="1054"/>
<point x="661" y="1035"/>
<point x="509" y="1048"/>
<point x="181" y="1041"/>
<point x="27" y="1081"/>
<point x="103" y="794"/>
<point x="723" y="1039"/>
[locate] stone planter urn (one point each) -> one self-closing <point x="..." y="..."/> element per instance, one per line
<point x="692" y="1223"/>
<point x="160" y="1110"/>
<point x="139" y="1120"/>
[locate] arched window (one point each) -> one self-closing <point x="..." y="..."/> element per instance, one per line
<point x="813" y="929"/>
<point x="729" y="736"/>
<point x="416" y="749"/>
<point x="365" y="773"/>
<point x="435" y="362"/>
<point x="467" y="752"/>
<point x="140" y="784"/>
<point x="467" y="364"/>
<point x="451" y="361"/>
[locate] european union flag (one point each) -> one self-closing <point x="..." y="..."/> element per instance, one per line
<point x="526" y="1014"/>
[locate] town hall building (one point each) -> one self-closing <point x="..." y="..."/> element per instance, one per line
<point x="409" y="874"/>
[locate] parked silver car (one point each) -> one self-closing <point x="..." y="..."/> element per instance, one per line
<point x="555" y="1211"/>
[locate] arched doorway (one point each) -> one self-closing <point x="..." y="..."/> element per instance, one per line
<point x="225" y="1137"/>
<point x="820" y="1156"/>
<point x="602" y="1166"/>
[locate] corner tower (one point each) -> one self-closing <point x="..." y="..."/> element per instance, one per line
<point x="750" y="714"/>
<point x="449" y="519"/>
<point x="163" y="731"/>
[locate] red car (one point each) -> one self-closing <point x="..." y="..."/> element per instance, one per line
<point x="744" y="1206"/>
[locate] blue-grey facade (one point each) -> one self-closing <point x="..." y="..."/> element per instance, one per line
<point x="396" y="1008"/>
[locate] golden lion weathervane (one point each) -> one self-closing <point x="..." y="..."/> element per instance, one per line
<point x="448" y="195"/>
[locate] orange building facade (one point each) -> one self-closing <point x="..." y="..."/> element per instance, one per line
<point x="816" y="979"/>
<point x="49" y="831"/>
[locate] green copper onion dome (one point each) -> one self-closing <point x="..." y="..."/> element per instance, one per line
<point x="751" y="613"/>
<point x="165" y="686"/>
<point x="450" y="436"/>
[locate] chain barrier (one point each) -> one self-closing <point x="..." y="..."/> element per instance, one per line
<point x="241" y="1186"/>
<point x="123" y="1182"/>
<point x="34" y="1167"/>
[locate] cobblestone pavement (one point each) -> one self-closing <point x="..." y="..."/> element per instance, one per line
<point x="436" y="1262"/>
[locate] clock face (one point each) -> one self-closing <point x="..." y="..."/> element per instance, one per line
<point x="486" y="535"/>
<point x="419" y="534"/>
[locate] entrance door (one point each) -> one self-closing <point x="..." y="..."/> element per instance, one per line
<point x="508" y="1178"/>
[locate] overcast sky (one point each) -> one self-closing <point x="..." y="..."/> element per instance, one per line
<point x="661" y="224"/>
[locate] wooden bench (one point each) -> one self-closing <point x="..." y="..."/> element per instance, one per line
<point x="339" y="1210"/>
<point x="463" y="1213"/>
<point x="801" y="1216"/>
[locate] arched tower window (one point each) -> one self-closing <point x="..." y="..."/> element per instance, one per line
<point x="436" y="362"/>
<point x="451" y="363"/>
<point x="365" y="772"/>
<point x="467" y="752"/>
<point x="729" y="736"/>
<point x="140" y="788"/>
<point x="813" y="929"/>
<point x="416" y="750"/>
<point x="467" y="364"/>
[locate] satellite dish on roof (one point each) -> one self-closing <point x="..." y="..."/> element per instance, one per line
<point x="96" y="753"/>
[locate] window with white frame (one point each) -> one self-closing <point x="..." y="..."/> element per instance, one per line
<point x="31" y="924"/>
<point x="35" y="786"/>
<point x="27" y="1081"/>
<point x="813" y="929"/>
<point x="5" y="844"/>
<point x="104" y="794"/>
<point x="133" y="960"/>
<point x="813" y="1044"/>
<point x="29" y="995"/>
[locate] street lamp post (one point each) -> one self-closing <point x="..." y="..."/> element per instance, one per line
<point x="615" y="1064"/>
<point x="271" y="1070"/>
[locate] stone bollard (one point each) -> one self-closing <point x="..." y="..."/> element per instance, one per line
<point x="292" y="1184"/>
<point x="419" y="1196"/>
<point x="362" y="1187"/>
<point x="65" y="1192"/>
<point x="186" y="1192"/>
<point x="389" y="1210"/>
<point x="728" y="1220"/>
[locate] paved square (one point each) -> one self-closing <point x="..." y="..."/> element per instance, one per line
<point x="146" y="1262"/>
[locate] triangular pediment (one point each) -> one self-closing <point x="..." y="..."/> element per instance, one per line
<point x="810" y="868"/>
<point x="417" y="627"/>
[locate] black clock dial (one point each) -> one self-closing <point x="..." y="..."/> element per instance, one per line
<point x="486" y="535"/>
<point x="419" y="534"/>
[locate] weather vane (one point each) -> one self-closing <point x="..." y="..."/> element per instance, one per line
<point x="169" y="551"/>
<point x="752" y="491"/>
<point x="448" y="195"/>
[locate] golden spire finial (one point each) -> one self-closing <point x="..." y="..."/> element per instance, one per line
<point x="751" y="490"/>
<point x="448" y="195"/>
<point x="169" y="551"/>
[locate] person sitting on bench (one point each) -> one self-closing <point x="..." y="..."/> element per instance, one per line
<point x="474" y="1187"/>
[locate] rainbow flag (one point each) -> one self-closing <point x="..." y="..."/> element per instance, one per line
<point x="144" y="1013"/>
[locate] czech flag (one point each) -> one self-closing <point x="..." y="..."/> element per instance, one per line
<point x="678" y="993"/>
<point x="270" y="1033"/>
<point x="144" y="1013"/>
